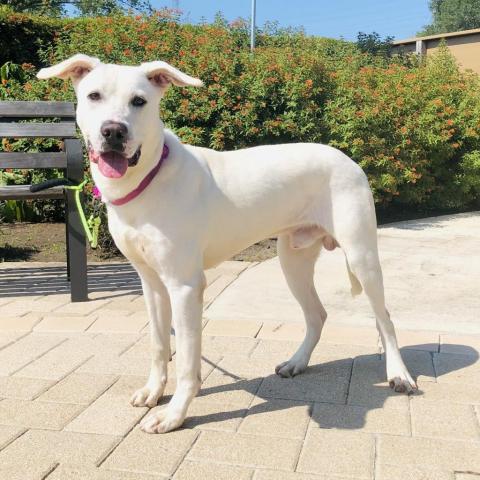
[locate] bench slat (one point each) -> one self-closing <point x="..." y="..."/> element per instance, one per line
<point x="33" y="160"/>
<point x="37" y="109"/>
<point x="32" y="130"/>
<point x="22" y="192"/>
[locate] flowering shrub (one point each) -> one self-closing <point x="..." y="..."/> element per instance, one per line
<point x="414" y="128"/>
<point x="23" y="36"/>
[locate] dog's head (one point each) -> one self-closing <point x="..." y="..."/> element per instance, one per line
<point x="117" y="109"/>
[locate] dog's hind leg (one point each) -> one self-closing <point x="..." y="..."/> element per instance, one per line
<point x="159" y="312"/>
<point x="298" y="267"/>
<point x="362" y="257"/>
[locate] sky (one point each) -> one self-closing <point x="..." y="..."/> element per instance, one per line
<point x="328" y="18"/>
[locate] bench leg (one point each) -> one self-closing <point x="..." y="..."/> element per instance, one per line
<point x="76" y="243"/>
<point x="77" y="252"/>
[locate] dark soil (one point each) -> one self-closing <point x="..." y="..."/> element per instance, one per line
<point x="45" y="242"/>
<point x="38" y="242"/>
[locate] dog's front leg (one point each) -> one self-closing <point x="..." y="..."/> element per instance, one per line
<point x="160" y="315"/>
<point x="186" y="300"/>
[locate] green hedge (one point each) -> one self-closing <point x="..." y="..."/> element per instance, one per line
<point x="414" y="128"/>
<point x="24" y="36"/>
<point x="415" y="131"/>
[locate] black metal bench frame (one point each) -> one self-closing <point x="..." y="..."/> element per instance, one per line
<point x="70" y="159"/>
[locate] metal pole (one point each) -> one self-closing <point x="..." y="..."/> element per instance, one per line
<point x="252" y="26"/>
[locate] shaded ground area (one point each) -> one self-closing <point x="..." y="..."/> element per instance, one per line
<point x="45" y="242"/>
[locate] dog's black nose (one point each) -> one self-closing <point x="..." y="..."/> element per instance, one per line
<point x="115" y="133"/>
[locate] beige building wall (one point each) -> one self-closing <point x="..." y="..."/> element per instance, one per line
<point x="465" y="47"/>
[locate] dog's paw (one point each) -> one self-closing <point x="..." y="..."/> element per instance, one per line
<point x="398" y="375"/>
<point x="146" y="396"/>
<point x="290" y="368"/>
<point x="162" y="421"/>
<point x="403" y="383"/>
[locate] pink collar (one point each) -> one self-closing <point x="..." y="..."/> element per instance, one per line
<point x="144" y="183"/>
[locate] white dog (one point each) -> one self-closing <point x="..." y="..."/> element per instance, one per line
<point x="174" y="211"/>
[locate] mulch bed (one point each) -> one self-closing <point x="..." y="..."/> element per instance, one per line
<point x="45" y="242"/>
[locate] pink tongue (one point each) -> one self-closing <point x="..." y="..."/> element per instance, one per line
<point x="112" y="164"/>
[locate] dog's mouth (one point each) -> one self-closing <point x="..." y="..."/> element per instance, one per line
<point x="113" y="164"/>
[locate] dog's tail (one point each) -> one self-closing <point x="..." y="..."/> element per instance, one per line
<point x="356" y="285"/>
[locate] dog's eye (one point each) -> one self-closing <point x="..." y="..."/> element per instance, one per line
<point x="94" y="96"/>
<point x="138" y="101"/>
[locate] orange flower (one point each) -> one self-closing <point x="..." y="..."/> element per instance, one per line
<point x="308" y="83"/>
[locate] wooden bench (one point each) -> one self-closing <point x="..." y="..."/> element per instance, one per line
<point x="70" y="160"/>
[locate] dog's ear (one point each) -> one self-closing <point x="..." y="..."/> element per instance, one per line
<point x="161" y="74"/>
<point x="75" y="68"/>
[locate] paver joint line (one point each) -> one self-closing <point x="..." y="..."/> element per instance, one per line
<point x="107" y="454"/>
<point x="51" y="470"/>
<point x="410" y="418"/>
<point x="39" y="356"/>
<point x="121" y="439"/>
<point x="375" y="455"/>
<point x="23" y="335"/>
<point x="195" y="440"/>
<point x="14" y="438"/>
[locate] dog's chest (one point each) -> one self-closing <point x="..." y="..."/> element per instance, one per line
<point x="139" y="245"/>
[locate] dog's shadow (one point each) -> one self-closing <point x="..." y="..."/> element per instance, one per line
<point x="338" y="393"/>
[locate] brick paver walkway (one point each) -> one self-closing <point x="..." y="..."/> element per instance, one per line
<point x="67" y="372"/>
